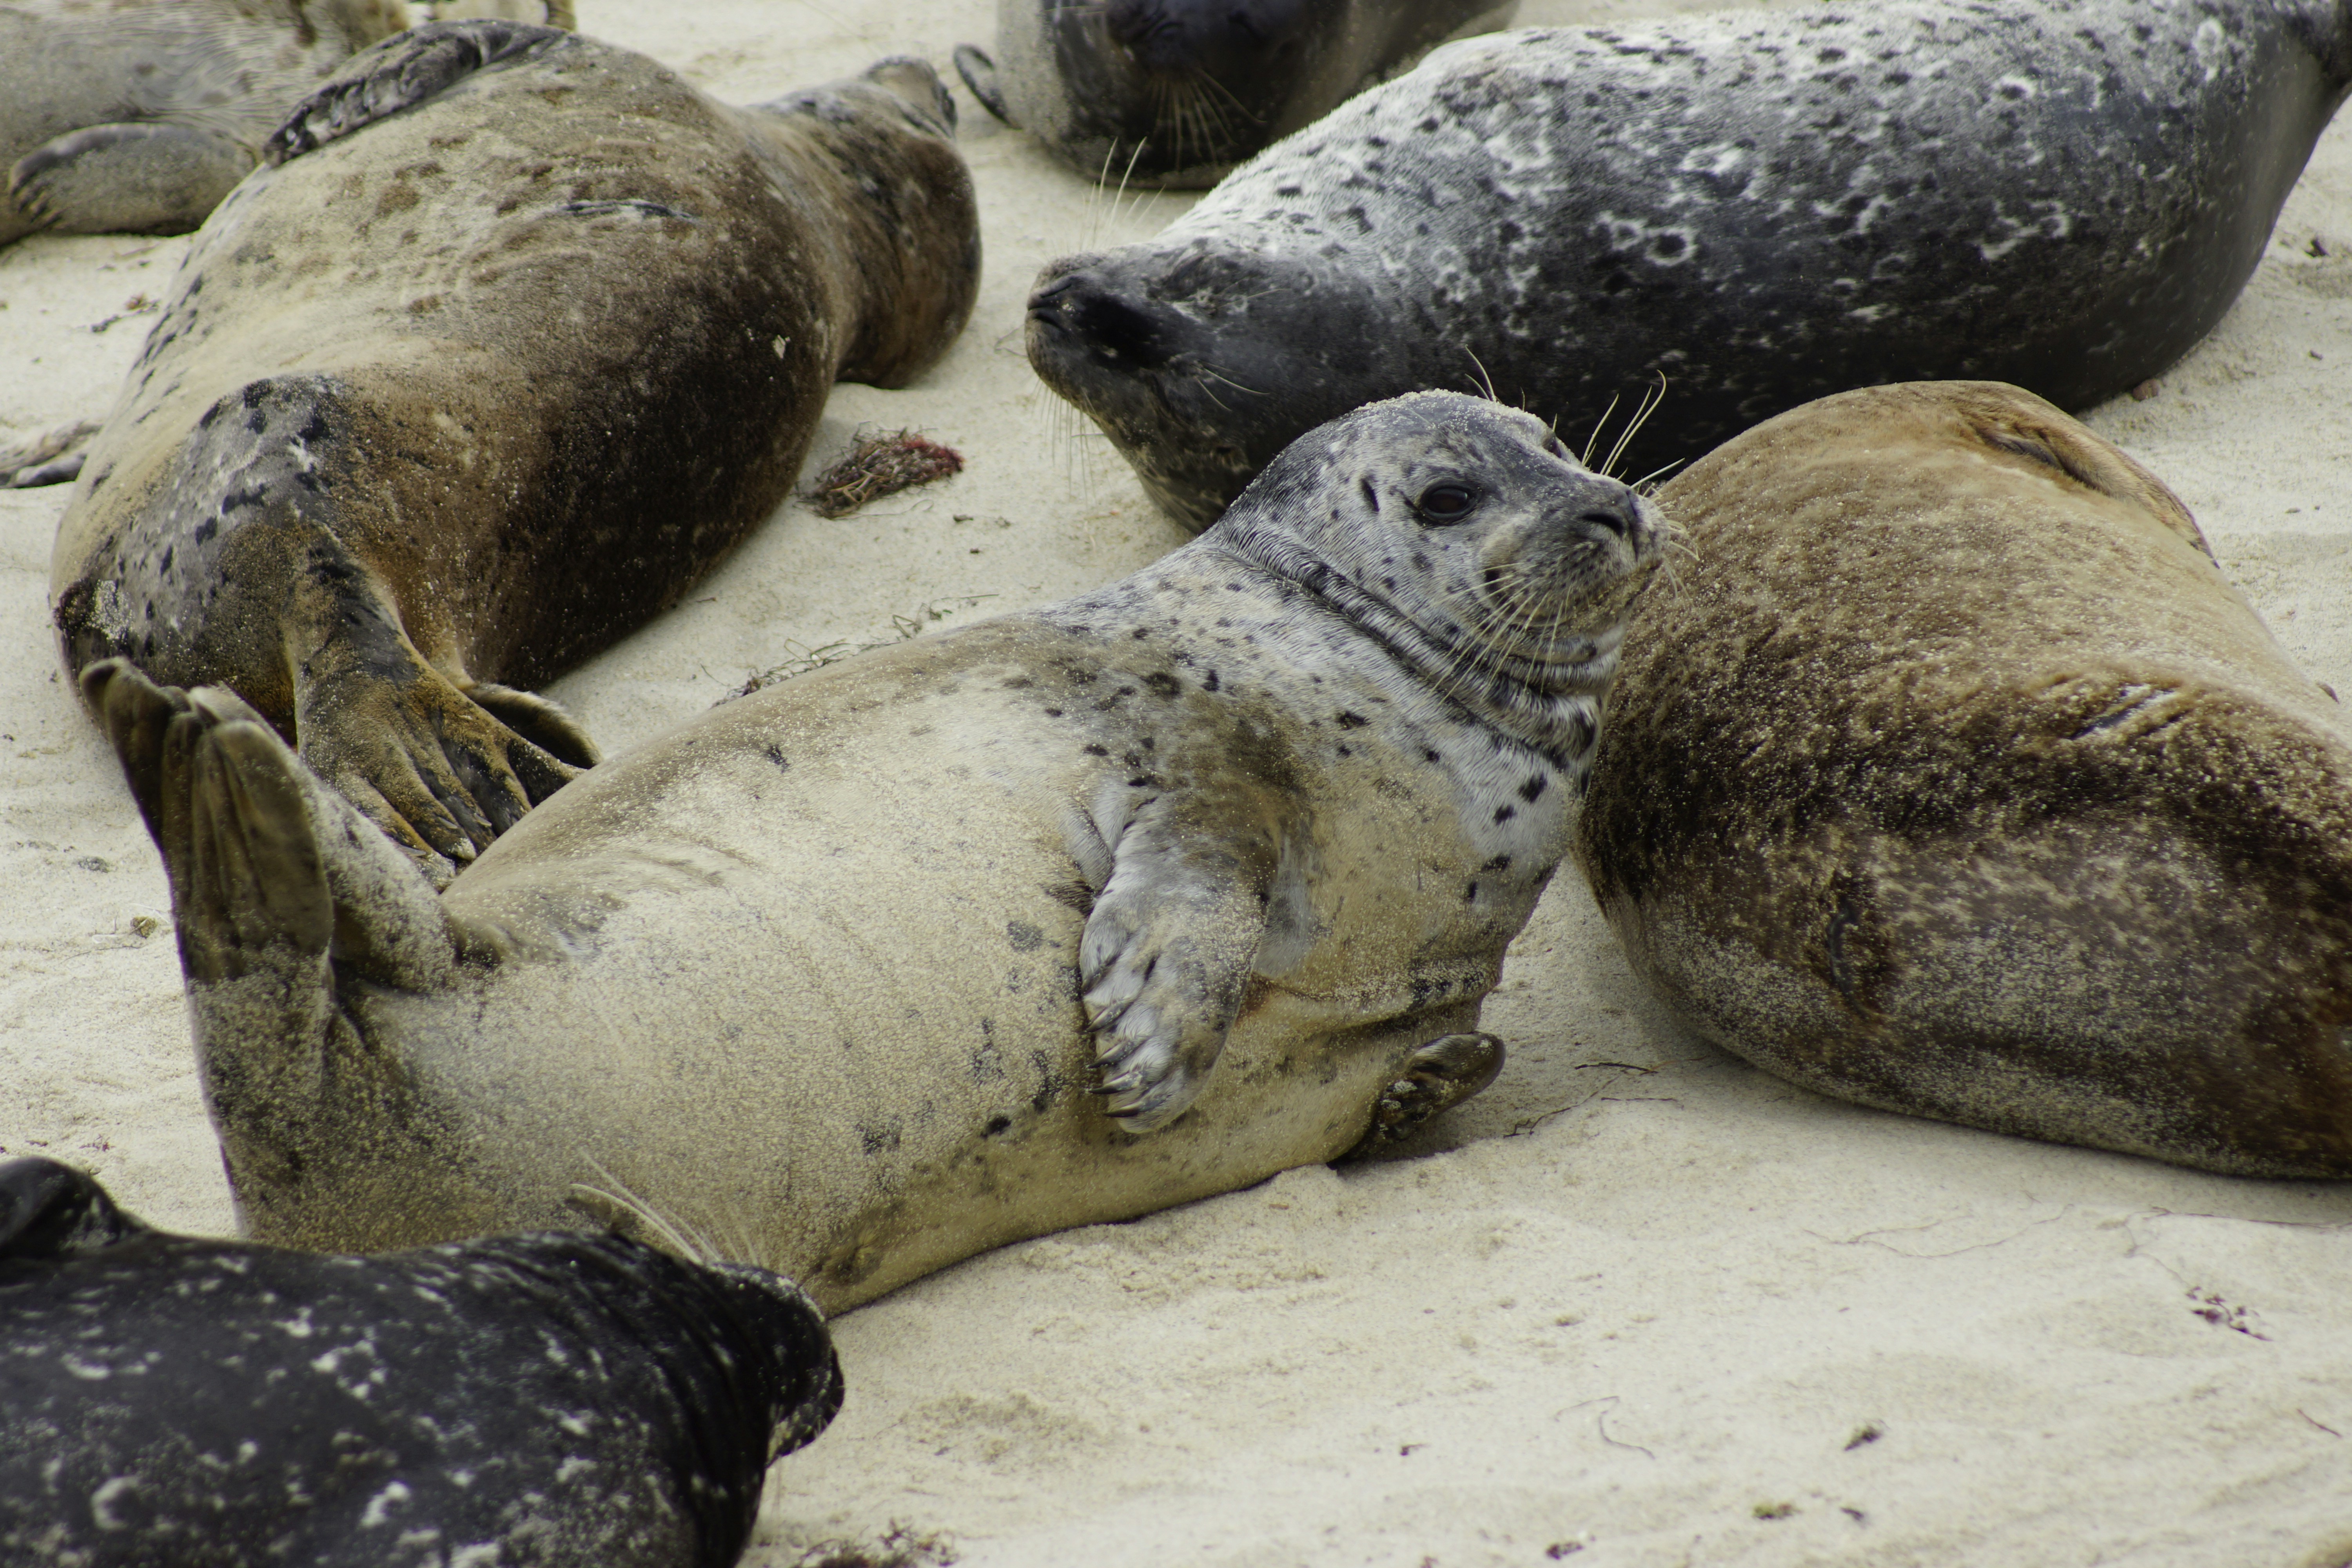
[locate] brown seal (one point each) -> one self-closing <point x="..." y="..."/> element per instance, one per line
<point x="517" y="338"/>
<point x="1953" y="777"/>
<point x="828" y="973"/>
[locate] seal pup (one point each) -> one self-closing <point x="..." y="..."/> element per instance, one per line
<point x="831" y="968"/>
<point x="567" y="1400"/>
<point x="516" y="337"/>
<point x="1176" y="92"/>
<point x="1953" y="777"/>
<point x="1759" y="208"/>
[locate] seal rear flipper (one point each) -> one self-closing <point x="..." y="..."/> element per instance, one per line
<point x="285" y="899"/>
<point x="400" y="73"/>
<point x="143" y="177"/>
<point x="978" y="73"/>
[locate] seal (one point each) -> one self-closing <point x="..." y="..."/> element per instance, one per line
<point x="1953" y="778"/>
<point x="139" y="115"/>
<point x="516" y="337"/>
<point x="830" y="969"/>
<point x="1176" y="92"/>
<point x="566" y="1399"/>
<point x="1761" y="209"/>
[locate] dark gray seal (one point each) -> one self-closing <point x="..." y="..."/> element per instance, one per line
<point x="1175" y="93"/>
<point x="829" y="972"/>
<point x="572" y="1401"/>
<point x="1759" y="208"/>
<point x="517" y="336"/>
<point x="1952" y="777"/>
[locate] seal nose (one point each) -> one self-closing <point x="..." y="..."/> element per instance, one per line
<point x="1606" y="509"/>
<point x="1086" y="310"/>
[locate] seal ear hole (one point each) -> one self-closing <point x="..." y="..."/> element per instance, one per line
<point x="1445" y="502"/>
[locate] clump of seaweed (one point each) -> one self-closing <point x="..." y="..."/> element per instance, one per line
<point x="880" y="463"/>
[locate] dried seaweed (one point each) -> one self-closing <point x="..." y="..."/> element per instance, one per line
<point x="880" y="464"/>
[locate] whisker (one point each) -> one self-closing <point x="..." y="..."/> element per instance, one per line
<point x="1651" y="398"/>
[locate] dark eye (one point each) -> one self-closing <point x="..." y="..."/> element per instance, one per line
<point x="1447" y="502"/>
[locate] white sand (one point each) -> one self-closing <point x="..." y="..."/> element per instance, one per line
<point x="1635" y="1299"/>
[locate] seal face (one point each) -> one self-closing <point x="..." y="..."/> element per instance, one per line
<point x="561" y="1399"/>
<point x="139" y="115"/>
<point x="517" y="338"/>
<point x="1175" y="93"/>
<point x="832" y="969"/>
<point x="1953" y="778"/>
<point x="1761" y="209"/>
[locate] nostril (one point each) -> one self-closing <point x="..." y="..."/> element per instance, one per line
<point x="1616" y="522"/>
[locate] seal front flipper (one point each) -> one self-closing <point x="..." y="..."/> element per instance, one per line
<point x="411" y="748"/>
<point x="128" y="178"/>
<point x="400" y="73"/>
<point x="1171" y="943"/>
<point x="978" y="73"/>
<point x="1438" y="1077"/>
<point x="285" y="900"/>
<point x="50" y="1210"/>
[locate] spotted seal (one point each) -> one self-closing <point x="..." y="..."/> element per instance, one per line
<point x="517" y="336"/>
<point x="1759" y="208"/>
<point x="1953" y="777"/>
<point x="569" y="1400"/>
<point x="1175" y="93"/>
<point x="830" y="969"/>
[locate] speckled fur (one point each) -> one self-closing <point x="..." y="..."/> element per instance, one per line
<point x="1951" y="776"/>
<point x="515" y="341"/>
<point x="1762" y="208"/>
<point x="139" y="115"/>
<point x="827" y="973"/>
<point x="567" y="1401"/>
<point x="1175" y="93"/>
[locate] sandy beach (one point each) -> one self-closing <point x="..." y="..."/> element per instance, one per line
<point x="1637" y="1306"/>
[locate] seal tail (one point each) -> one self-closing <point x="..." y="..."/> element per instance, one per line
<point x="284" y="897"/>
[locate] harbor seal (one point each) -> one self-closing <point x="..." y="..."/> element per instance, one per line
<point x="566" y="1399"/>
<point x="1952" y="777"/>
<point x="1176" y="92"/>
<point x="832" y="968"/>
<point x="1759" y="208"/>
<point x="138" y="116"/>
<point x="516" y="338"/>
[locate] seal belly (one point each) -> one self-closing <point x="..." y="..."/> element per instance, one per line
<point x="877" y="920"/>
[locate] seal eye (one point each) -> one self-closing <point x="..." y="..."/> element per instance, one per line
<point x="1447" y="502"/>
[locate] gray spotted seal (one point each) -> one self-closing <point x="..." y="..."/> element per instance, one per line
<point x="832" y="969"/>
<point x="1175" y="93"/>
<point x="516" y="337"/>
<point x="138" y="116"/>
<point x="574" y="1400"/>
<point x="1759" y="208"/>
<point x="1952" y="777"/>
